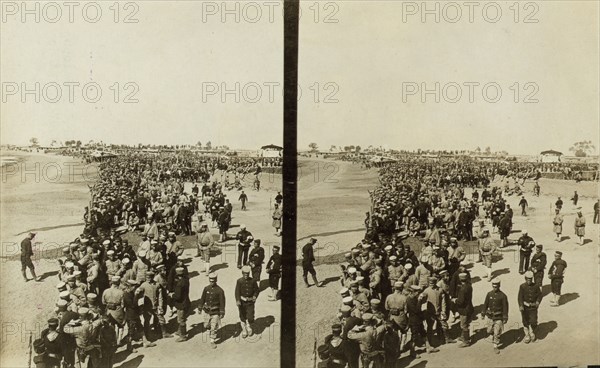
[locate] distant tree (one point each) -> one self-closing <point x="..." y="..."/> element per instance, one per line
<point x="357" y="149"/>
<point x="478" y="149"/>
<point x="583" y="148"/>
<point x="199" y="144"/>
<point x="488" y="150"/>
<point x="313" y="146"/>
<point x="208" y="145"/>
<point x="346" y="148"/>
<point x="78" y="143"/>
<point x="332" y="147"/>
<point x="226" y="148"/>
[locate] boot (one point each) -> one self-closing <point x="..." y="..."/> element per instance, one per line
<point x="447" y="337"/>
<point x="165" y="334"/>
<point x="130" y="347"/>
<point x="466" y="340"/>
<point x="532" y="334"/>
<point x="319" y="284"/>
<point x="207" y="267"/>
<point x="306" y="281"/>
<point x="527" y="338"/>
<point x="489" y="274"/>
<point x="244" y="330"/>
<point x="182" y="334"/>
<point x="496" y="348"/>
<point x="413" y="352"/>
<point x="250" y="332"/>
<point x="36" y="278"/>
<point x="428" y="347"/>
<point x="24" y="275"/>
<point x="146" y="343"/>
<point x="272" y="295"/>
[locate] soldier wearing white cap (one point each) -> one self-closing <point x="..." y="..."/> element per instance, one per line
<point x="112" y="298"/>
<point x="487" y="248"/>
<point x="395" y="304"/>
<point x="244" y="238"/>
<point x="204" y="242"/>
<point x="529" y="299"/>
<point x="154" y="255"/>
<point x="367" y="336"/>
<point x="83" y="332"/>
<point x="154" y="306"/>
<point x="140" y="267"/>
<point x="114" y="267"/>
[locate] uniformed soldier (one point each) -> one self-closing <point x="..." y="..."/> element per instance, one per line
<point x="368" y="336"/>
<point x="274" y="271"/>
<point x="395" y="304"/>
<point x="212" y="303"/>
<point x="538" y="265"/>
<point x="114" y="266"/>
<point x="556" y="273"/>
<point x="141" y="267"/>
<point x="256" y="260"/>
<point x="495" y="308"/>
<point x="154" y="255"/>
<point x="246" y="293"/>
<point x="308" y="258"/>
<point x="529" y="298"/>
<point x="112" y="298"/>
<point x="464" y="306"/>
<point x="557" y="223"/>
<point x="396" y="271"/>
<point x="415" y="319"/>
<point x="337" y="347"/>
<point x="131" y="304"/>
<point x="181" y="301"/>
<point x="487" y="248"/>
<point x="85" y="331"/>
<point x="204" y="242"/>
<point x="153" y="305"/>
<point x="54" y="342"/>
<point x="26" y="254"/>
<point x="244" y="238"/>
<point x="526" y="245"/>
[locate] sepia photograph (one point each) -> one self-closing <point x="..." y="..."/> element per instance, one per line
<point x="448" y="185"/>
<point x="141" y="195"/>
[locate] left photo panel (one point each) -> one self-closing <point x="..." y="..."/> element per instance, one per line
<point x="141" y="195"/>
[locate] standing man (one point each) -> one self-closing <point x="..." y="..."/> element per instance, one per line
<point x="495" y="308"/>
<point x="575" y="198"/>
<point x="274" y="271"/>
<point x="256" y="259"/>
<point x="530" y="297"/>
<point x="243" y="197"/>
<point x="557" y="275"/>
<point x="580" y="227"/>
<point x="26" y="254"/>
<point x="112" y="298"/>
<point x="244" y="237"/>
<point x="557" y="222"/>
<point x="597" y="212"/>
<point x="181" y="301"/>
<point x="204" y="241"/>
<point x="308" y="257"/>
<point x="246" y="293"/>
<point x="487" y="248"/>
<point x="277" y="214"/>
<point x="395" y="304"/>
<point x="523" y="204"/>
<point x="538" y="265"/>
<point x="524" y="255"/>
<point x="464" y="306"/>
<point x="212" y="303"/>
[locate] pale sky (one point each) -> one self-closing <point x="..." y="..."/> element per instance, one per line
<point x="171" y="54"/>
<point x="372" y="51"/>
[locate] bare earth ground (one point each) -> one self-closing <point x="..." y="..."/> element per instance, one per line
<point x="55" y="210"/>
<point x="333" y="212"/>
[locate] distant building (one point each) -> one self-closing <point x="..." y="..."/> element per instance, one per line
<point x="270" y="151"/>
<point x="550" y="156"/>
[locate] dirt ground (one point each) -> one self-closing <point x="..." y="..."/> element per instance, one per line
<point x="55" y="210"/>
<point x="333" y="211"/>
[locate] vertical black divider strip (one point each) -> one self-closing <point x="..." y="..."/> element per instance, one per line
<point x="290" y="128"/>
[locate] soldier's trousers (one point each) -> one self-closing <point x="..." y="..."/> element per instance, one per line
<point x="274" y="280"/>
<point x="242" y="255"/>
<point x="538" y="277"/>
<point x="556" y="285"/>
<point x="495" y="327"/>
<point x="256" y="271"/>
<point x="246" y="310"/>
<point x="524" y="261"/>
<point x="213" y="323"/>
<point x="530" y="317"/>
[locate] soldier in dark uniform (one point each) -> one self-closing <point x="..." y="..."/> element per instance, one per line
<point x="348" y="322"/>
<point x="274" y="271"/>
<point x="556" y="273"/>
<point x="464" y="305"/>
<point x="26" y="254"/>
<point x="538" y="265"/>
<point x="256" y="259"/>
<point x="246" y="292"/>
<point x="530" y="297"/>
<point x="526" y="244"/>
<point x="308" y="258"/>
<point x="223" y="221"/>
<point x="132" y="316"/>
<point x="495" y="308"/>
<point x="337" y="347"/>
<point x="212" y="303"/>
<point x="244" y="237"/>
<point x="181" y="301"/>
<point x="54" y="342"/>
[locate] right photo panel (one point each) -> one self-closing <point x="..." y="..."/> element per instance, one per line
<point x="448" y="179"/>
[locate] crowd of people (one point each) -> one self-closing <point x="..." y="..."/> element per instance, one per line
<point x="112" y="293"/>
<point x="400" y="294"/>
